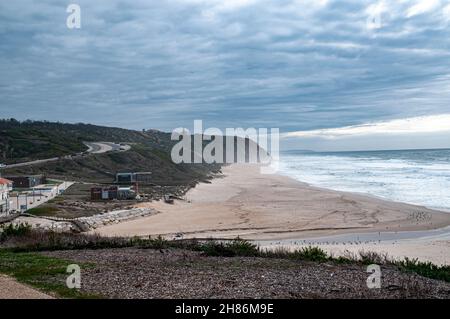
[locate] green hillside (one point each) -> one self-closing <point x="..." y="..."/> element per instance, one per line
<point x="31" y="140"/>
<point x="150" y="151"/>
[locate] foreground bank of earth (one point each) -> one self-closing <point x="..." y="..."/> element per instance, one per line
<point x="180" y="273"/>
<point x="174" y="273"/>
<point x="157" y="268"/>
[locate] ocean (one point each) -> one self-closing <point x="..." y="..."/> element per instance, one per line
<point x="420" y="177"/>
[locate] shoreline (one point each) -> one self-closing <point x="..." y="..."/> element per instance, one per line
<point x="273" y="208"/>
<point x="436" y="209"/>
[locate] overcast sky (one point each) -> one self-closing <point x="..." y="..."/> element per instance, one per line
<point x="301" y="66"/>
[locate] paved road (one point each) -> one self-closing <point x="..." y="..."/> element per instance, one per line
<point x="103" y="147"/>
<point x="11" y="289"/>
<point x="94" y="148"/>
<point x="31" y="162"/>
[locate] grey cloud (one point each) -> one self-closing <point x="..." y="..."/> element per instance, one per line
<point x="296" y="65"/>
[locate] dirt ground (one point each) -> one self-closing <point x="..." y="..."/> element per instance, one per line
<point x="11" y="289"/>
<point x="171" y="273"/>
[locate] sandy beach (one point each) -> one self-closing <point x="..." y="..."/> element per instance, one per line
<point x="278" y="210"/>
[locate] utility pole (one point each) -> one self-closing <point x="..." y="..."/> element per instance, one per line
<point x="7" y="202"/>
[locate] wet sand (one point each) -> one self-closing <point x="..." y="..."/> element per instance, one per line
<point x="272" y="207"/>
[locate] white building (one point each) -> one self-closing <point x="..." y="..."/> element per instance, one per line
<point x="5" y="188"/>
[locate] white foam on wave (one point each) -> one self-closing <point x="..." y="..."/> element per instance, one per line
<point x="415" y="181"/>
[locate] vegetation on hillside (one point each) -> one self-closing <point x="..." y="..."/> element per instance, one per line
<point x="31" y="140"/>
<point x="150" y="151"/>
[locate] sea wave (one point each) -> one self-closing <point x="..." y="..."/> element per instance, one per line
<point x="415" y="177"/>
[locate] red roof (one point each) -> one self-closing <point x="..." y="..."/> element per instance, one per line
<point x="4" y="181"/>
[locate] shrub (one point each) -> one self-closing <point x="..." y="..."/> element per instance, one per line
<point x="14" y="230"/>
<point x="310" y="254"/>
<point x="342" y="260"/>
<point x="305" y="253"/>
<point x="150" y="243"/>
<point x="426" y="269"/>
<point x="216" y="249"/>
<point x="37" y="240"/>
<point x="370" y="257"/>
<point x="237" y="247"/>
<point x="242" y="247"/>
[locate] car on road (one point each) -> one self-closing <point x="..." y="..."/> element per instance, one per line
<point x="2" y="165"/>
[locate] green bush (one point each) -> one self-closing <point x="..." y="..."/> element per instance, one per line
<point x="237" y="247"/>
<point x="370" y="257"/>
<point x="310" y="254"/>
<point x="14" y="230"/>
<point x="150" y="243"/>
<point x="242" y="247"/>
<point x="426" y="269"/>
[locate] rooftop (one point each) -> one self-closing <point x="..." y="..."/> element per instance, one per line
<point x="4" y="181"/>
